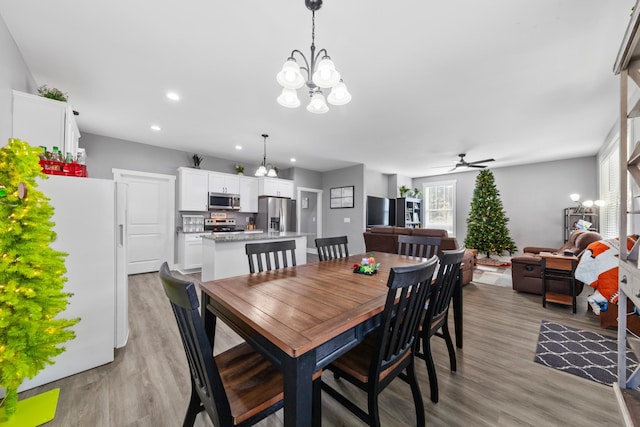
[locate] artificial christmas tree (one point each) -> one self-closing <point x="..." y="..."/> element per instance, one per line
<point x="31" y="274"/>
<point x="487" y="224"/>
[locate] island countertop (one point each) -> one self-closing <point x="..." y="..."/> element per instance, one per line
<point x="241" y="237"/>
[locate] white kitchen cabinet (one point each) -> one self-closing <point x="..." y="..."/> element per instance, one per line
<point x="275" y="187"/>
<point x="193" y="187"/>
<point x="248" y="194"/>
<point x="190" y="251"/>
<point x="45" y="122"/>
<point x="224" y="183"/>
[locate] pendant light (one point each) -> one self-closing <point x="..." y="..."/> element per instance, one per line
<point x="321" y="74"/>
<point x="266" y="169"/>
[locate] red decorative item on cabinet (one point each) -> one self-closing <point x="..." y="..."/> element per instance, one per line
<point x="53" y="167"/>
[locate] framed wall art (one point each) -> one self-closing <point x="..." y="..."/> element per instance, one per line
<point x="341" y="197"/>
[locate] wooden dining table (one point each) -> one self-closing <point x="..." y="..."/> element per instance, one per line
<point x="302" y="318"/>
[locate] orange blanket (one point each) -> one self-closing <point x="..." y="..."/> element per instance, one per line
<point x="598" y="266"/>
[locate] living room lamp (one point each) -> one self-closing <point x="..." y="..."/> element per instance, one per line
<point x="321" y="74"/>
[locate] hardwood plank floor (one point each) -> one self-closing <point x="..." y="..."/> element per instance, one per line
<point x="497" y="382"/>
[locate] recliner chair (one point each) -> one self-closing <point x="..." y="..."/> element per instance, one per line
<point x="526" y="269"/>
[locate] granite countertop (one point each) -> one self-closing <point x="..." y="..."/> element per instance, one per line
<point x="239" y="237"/>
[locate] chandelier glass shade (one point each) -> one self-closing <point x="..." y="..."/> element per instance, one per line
<point x="320" y="72"/>
<point x="266" y="169"/>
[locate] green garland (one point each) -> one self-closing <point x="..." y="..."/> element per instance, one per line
<point x="31" y="275"/>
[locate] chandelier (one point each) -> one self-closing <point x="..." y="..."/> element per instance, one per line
<point x="266" y="169"/>
<point x="321" y="74"/>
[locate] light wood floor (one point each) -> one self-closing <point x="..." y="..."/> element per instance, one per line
<point x="497" y="383"/>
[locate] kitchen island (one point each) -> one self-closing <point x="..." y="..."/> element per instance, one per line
<point x="224" y="255"/>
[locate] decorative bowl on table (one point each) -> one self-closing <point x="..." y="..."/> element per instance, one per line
<point x="368" y="266"/>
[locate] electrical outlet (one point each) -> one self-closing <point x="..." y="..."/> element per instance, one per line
<point x="347" y="220"/>
<point x="247" y="220"/>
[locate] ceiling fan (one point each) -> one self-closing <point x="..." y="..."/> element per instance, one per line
<point x="463" y="163"/>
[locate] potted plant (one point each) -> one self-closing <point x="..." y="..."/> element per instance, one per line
<point x="404" y="190"/>
<point x="52" y="93"/>
<point x="196" y="161"/>
<point x="240" y="169"/>
<point x="417" y="193"/>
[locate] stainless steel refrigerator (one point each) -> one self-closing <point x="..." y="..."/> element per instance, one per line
<point x="276" y="214"/>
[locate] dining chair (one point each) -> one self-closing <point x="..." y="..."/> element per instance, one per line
<point x="388" y="352"/>
<point x="238" y="387"/>
<point x="270" y="255"/>
<point x="418" y="246"/>
<point x="436" y="317"/>
<point x="332" y="247"/>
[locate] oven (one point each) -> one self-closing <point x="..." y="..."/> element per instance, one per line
<point x="220" y="225"/>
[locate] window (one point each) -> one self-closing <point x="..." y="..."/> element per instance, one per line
<point x="439" y="205"/>
<point x="610" y="193"/>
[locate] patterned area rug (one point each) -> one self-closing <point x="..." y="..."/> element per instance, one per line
<point x="583" y="353"/>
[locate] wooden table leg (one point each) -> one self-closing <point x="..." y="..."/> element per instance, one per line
<point x="208" y="316"/>
<point x="457" y="310"/>
<point x="298" y="389"/>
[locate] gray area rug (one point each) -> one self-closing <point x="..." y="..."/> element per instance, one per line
<point x="583" y="353"/>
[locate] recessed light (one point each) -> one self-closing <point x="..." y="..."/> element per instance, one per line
<point x="238" y="147"/>
<point x="173" y="96"/>
<point x="156" y="128"/>
<point x="293" y="159"/>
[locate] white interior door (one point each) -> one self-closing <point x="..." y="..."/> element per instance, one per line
<point x="309" y="215"/>
<point x="150" y="219"/>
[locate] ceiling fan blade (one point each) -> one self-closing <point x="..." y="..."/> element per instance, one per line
<point x="471" y="165"/>
<point x="482" y="161"/>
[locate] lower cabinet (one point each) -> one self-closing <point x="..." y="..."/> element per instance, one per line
<point x="190" y="251"/>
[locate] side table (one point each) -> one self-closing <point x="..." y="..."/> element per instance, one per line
<point x="558" y="266"/>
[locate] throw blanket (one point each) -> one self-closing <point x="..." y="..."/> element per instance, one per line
<point x="598" y="267"/>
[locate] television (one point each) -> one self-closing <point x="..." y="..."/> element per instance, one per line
<point x="380" y="211"/>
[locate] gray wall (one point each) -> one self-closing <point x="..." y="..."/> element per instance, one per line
<point x="533" y="196"/>
<point x="14" y="74"/>
<point x="104" y="153"/>
<point x="333" y="219"/>
<point x="376" y="184"/>
<point x="306" y="178"/>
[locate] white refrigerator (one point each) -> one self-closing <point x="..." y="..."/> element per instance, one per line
<point x="90" y="222"/>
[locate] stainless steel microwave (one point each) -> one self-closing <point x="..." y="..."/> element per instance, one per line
<point x="224" y="201"/>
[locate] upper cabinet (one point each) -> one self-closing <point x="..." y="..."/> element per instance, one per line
<point x="224" y="183"/>
<point x="248" y="194"/>
<point x="193" y="187"/>
<point x="275" y="187"/>
<point x="45" y="122"/>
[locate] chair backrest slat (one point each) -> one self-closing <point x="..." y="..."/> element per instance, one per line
<point x="332" y="248"/>
<point x="205" y="375"/>
<point x="448" y="275"/>
<point x="418" y="246"/>
<point x="409" y="288"/>
<point x="271" y="254"/>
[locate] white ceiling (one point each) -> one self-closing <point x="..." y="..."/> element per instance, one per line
<point x="522" y="81"/>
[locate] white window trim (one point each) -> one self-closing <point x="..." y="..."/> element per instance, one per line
<point x="453" y="184"/>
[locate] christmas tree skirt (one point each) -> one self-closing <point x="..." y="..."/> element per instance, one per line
<point x="33" y="411"/>
<point x="494" y="262"/>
